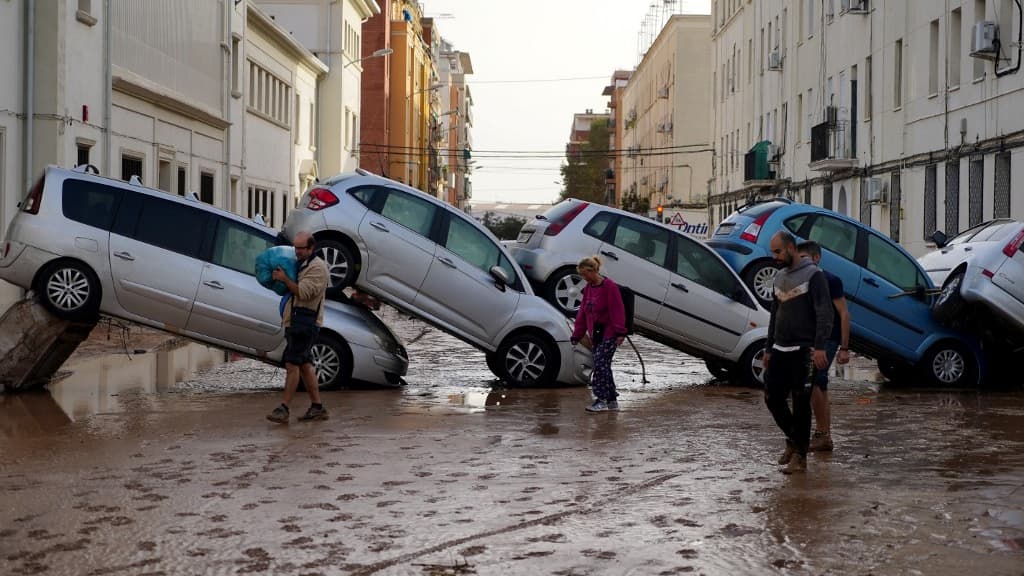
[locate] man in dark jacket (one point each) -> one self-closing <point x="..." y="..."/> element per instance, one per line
<point x="801" y="321"/>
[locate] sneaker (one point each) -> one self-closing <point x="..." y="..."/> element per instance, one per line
<point x="787" y="455"/>
<point x="798" y="463"/>
<point x="820" y="442"/>
<point x="279" y="415"/>
<point x="314" y="413"/>
<point x="613" y="405"/>
<point x="598" y="406"/>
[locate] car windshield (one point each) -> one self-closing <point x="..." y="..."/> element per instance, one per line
<point x="755" y="210"/>
<point x="556" y="212"/>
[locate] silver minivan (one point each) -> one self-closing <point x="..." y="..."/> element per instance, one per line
<point x="434" y="262"/>
<point x="88" y="245"/>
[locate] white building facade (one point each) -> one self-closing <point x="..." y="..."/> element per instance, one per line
<point x="875" y="109"/>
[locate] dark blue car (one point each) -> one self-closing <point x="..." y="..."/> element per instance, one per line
<point x="888" y="293"/>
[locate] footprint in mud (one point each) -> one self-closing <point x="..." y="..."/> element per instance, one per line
<point x="386" y="503"/>
<point x="473" y="550"/>
<point x="600" y="554"/>
<point x="256" y="560"/>
<point x="555" y="538"/>
<point x="688" y="523"/>
<point x="220" y="533"/>
<point x="423" y="474"/>
<point x="322" y="487"/>
<point x="300" y="541"/>
<point x="346" y="497"/>
<point x="660" y="521"/>
<point x="340" y="518"/>
<point x="146" y="508"/>
<point x="319" y="506"/>
<point x="735" y="530"/>
<point x="250" y="506"/>
<point x="111" y="520"/>
<point x="688" y="553"/>
<point x="147" y="546"/>
<point x="393" y="483"/>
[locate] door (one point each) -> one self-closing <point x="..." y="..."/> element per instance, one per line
<point x="155" y="249"/>
<point x="397" y="238"/>
<point x="231" y="306"/>
<point x="700" y="306"/>
<point x="901" y="322"/>
<point x="634" y="256"/>
<point x="459" y="289"/>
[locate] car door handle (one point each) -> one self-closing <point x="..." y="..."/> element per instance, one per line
<point x="446" y="261"/>
<point x="610" y="254"/>
<point x="214" y="284"/>
<point x="967" y="248"/>
<point x="380" y="226"/>
<point x="124" y="255"/>
<point x="680" y="286"/>
<point x="871" y="282"/>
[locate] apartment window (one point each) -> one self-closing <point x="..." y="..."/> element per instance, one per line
<point x="952" y="198"/>
<point x="1001" y="202"/>
<point x="206" y="187"/>
<point x="895" y="198"/>
<point x="897" y="80"/>
<point x="930" y="200"/>
<point x="750" y="60"/>
<point x="802" y="21"/>
<point x="236" y="67"/>
<point x="979" y="16"/>
<point x="799" y="116"/>
<point x="955" y="22"/>
<point x="130" y="166"/>
<point x="269" y="96"/>
<point x="933" y="58"/>
<point x="182" y="180"/>
<point x="164" y="176"/>
<point x="83" y="154"/>
<point x="297" y="127"/>
<point x="312" y="126"/>
<point x="1007" y="18"/>
<point x="868" y="84"/>
<point x="826" y="196"/>
<point x="760" y="54"/>
<point x="355" y="132"/>
<point x="810" y="17"/>
<point x="348" y="129"/>
<point x="975" y="192"/>
<point x="810" y="114"/>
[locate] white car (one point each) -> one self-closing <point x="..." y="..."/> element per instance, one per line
<point x="437" y="263"/>
<point x="89" y="245"/>
<point x="983" y="266"/>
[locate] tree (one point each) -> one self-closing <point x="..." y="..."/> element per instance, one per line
<point x="584" y="176"/>
<point x="506" y="228"/>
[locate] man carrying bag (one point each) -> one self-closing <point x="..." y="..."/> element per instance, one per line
<point x="303" y="315"/>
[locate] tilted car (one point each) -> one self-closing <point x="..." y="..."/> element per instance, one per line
<point x="687" y="297"/>
<point x="433" y="261"/>
<point x="982" y="266"/>
<point x="89" y="245"/>
<point x="888" y="293"/>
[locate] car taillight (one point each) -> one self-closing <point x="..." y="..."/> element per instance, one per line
<point x="1013" y="245"/>
<point x="988" y="273"/>
<point x="556" y="226"/>
<point x="35" y="198"/>
<point x="320" y="198"/>
<point x="753" y="230"/>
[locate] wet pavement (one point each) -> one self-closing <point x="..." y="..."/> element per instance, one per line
<point x="115" y="474"/>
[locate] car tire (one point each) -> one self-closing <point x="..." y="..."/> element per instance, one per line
<point x="564" y="290"/>
<point x="332" y="361"/>
<point x="760" y="278"/>
<point x="526" y="359"/>
<point x="70" y="290"/>
<point x="719" y="370"/>
<point x="750" y="370"/>
<point x="341" y="262"/>
<point x="949" y="363"/>
<point x="949" y="305"/>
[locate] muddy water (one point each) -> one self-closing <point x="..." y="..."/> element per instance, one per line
<point x="452" y="475"/>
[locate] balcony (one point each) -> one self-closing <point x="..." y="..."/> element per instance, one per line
<point x="758" y="164"/>
<point x="830" y="148"/>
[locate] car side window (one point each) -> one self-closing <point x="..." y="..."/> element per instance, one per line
<point x="696" y="263"/>
<point x="414" y="213"/>
<point x="598" y="225"/>
<point x="795" y="223"/>
<point x="642" y="239"/>
<point x="171" y="226"/>
<point x="471" y="245"/>
<point x="365" y="195"/>
<point x="835" y="235"/>
<point x="888" y="262"/>
<point x="237" y="246"/>
<point x="90" y="203"/>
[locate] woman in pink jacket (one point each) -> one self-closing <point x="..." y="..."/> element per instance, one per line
<point x="602" y="319"/>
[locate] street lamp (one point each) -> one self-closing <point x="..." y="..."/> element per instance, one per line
<point x="376" y="54"/>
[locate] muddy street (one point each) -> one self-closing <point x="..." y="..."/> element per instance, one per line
<point x="114" y="474"/>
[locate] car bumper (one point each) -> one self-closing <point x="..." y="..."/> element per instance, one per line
<point x="536" y="264"/>
<point x="22" y="263"/>
<point x="384" y="369"/>
<point x="577" y="366"/>
<point x="979" y="289"/>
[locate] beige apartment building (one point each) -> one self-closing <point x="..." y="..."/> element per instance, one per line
<point x="668" y="149"/>
<point x="900" y="114"/>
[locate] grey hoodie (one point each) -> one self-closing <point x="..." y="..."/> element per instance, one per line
<point x="802" y="309"/>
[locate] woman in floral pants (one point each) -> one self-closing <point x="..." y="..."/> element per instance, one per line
<point x="602" y="319"/>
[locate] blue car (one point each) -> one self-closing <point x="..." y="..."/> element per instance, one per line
<point x="888" y="293"/>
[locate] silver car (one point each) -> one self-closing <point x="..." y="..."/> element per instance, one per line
<point x="88" y="245"/>
<point x="687" y="297"/>
<point x="984" y="266"/>
<point x="435" y="262"/>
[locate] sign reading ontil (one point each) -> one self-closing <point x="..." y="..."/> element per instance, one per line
<point x="689" y="225"/>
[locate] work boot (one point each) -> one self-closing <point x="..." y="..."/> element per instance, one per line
<point x="279" y="415"/>
<point x="797" y="463"/>
<point x="784" y="459"/>
<point x="820" y="442"/>
<point x="314" y="413"/>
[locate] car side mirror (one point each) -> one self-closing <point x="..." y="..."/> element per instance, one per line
<point x="939" y="237"/>
<point x="500" y="277"/>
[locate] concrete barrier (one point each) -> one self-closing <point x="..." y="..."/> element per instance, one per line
<point x="34" y="344"/>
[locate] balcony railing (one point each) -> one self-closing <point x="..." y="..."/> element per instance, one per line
<point x="757" y="170"/>
<point x="830" y="147"/>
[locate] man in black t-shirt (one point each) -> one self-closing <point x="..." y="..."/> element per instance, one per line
<point x="837" y="347"/>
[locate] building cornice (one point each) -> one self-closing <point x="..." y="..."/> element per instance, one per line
<point x="130" y="83"/>
<point x="366" y="8"/>
<point x="263" y="22"/>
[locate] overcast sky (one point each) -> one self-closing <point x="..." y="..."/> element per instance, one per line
<point x="518" y="50"/>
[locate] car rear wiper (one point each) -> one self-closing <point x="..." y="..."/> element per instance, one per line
<point x="540" y="217"/>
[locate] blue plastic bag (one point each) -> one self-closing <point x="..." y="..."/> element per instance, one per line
<point x="277" y="257"/>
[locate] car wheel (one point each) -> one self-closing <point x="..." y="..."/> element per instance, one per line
<point x="949" y="363"/>
<point x="760" y="278"/>
<point x="526" y="359"/>
<point x="564" y="289"/>
<point x="949" y="305"/>
<point x="750" y="370"/>
<point x="341" y="262"/>
<point x="718" y="369"/>
<point x="332" y="361"/>
<point x="70" y="290"/>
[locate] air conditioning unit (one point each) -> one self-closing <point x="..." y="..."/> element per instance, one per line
<point x="775" y="60"/>
<point x="984" y="40"/>
<point x="856" y="6"/>
<point x="831" y="115"/>
<point x="875" y="191"/>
